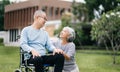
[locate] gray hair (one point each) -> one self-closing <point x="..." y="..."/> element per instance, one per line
<point x="38" y="13"/>
<point x="71" y="33"/>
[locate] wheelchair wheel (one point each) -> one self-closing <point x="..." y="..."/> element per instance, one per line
<point x="18" y="70"/>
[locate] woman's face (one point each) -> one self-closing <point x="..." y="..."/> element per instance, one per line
<point x="64" y="34"/>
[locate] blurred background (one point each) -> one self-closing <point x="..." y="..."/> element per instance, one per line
<point x="96" y="23"/>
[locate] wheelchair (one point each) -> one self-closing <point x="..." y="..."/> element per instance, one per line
<point x="24" y="66"/>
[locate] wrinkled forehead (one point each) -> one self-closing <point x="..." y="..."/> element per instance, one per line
<point x="39" y="13"/>
<point x="69" y="30"/>
<point x="66" y="30"/>
<point x="42" y="14"/>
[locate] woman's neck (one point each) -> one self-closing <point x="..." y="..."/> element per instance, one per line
<point x="64" y="42"/>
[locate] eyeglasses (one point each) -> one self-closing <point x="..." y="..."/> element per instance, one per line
<point x="43" y="18"/>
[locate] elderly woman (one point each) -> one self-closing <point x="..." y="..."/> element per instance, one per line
<point x="67" y="35"/>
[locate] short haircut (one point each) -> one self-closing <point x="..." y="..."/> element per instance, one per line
<point x="71" y="33"/>
<point x="38" y="13"/>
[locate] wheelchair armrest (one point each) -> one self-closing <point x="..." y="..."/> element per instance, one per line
<point x="50" y="52"/>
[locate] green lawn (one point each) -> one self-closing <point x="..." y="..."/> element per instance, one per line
<point x="96" y="61"/>
<point x="9" y="59"/>
<point x="88" y="61"/>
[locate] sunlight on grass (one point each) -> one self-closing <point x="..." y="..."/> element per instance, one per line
<point x="95" y="62"/>
<point x="87" y="60"/>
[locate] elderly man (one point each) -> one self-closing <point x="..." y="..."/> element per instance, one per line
<point x="35" y="41"/>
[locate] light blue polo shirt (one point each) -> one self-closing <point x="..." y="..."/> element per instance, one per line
<point x="35" y="39"/>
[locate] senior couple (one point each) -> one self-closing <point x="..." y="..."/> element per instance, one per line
<point x="35" y="40"/>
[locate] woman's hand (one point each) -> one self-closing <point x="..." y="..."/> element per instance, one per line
<point x="59" y="51"/>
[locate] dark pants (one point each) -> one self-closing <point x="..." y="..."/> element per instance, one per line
<point x="57" y="60"/>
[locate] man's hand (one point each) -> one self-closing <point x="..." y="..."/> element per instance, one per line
<point x="34" y="53"/>
<point x="59" y="51"/>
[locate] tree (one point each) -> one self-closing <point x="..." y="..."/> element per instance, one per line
<point x="82" y="30"/>
<point x="2" y="6"/>
<point x="107" y="30"/>
<point x="80" y="11"/>
<point x="95" y="5"/>
<point x="82" y="34"/>
<point x="66" y="21"/>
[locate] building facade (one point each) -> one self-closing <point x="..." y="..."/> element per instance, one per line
<point x="19" y="15"/>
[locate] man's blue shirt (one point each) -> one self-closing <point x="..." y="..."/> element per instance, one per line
<point x="35" y="39"/>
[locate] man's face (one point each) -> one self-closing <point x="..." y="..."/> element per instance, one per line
<point x="42" y="19"/>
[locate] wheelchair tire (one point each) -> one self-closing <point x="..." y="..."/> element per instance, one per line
<point x="17" y="70"/>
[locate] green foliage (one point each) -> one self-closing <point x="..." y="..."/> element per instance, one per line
<point x="107" y="26"/>
<point x="82" y="34"/>
<point x="94" y="4"/>
<point x="82" y="30"/>
<point x="1" y="40"/>
<point x="2" y="6"/>
<point x="79" y="33"/>
<point x="66" y="21"/>
<point x="107" y="30"/>
<point x="86" y="38"/>
<point x="87" y="60"/>
<point x="80" y="10"/>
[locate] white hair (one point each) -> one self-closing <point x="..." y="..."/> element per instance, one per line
<point x="71" y="32"/>
<point x="38" y="13"/>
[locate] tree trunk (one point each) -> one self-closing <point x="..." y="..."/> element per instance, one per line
<point x="114" y="58"/>
<point x="114" y="52"/>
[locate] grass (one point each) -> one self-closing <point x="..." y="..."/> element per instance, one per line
<point x="9" y="59"/>
<point x="96" y="61"/>
<point x="87" y="60"/>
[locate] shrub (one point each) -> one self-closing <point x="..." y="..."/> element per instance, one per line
<point x="1" y="41"/>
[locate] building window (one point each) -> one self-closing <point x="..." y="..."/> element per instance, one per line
<point x="13" y="35"/>
<point x="51" y="11"/>
<point x="69" y="10"/>
<point x="62" y="10"/>
<point x="56" y="11"/>
<point x="44" y="8"/>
